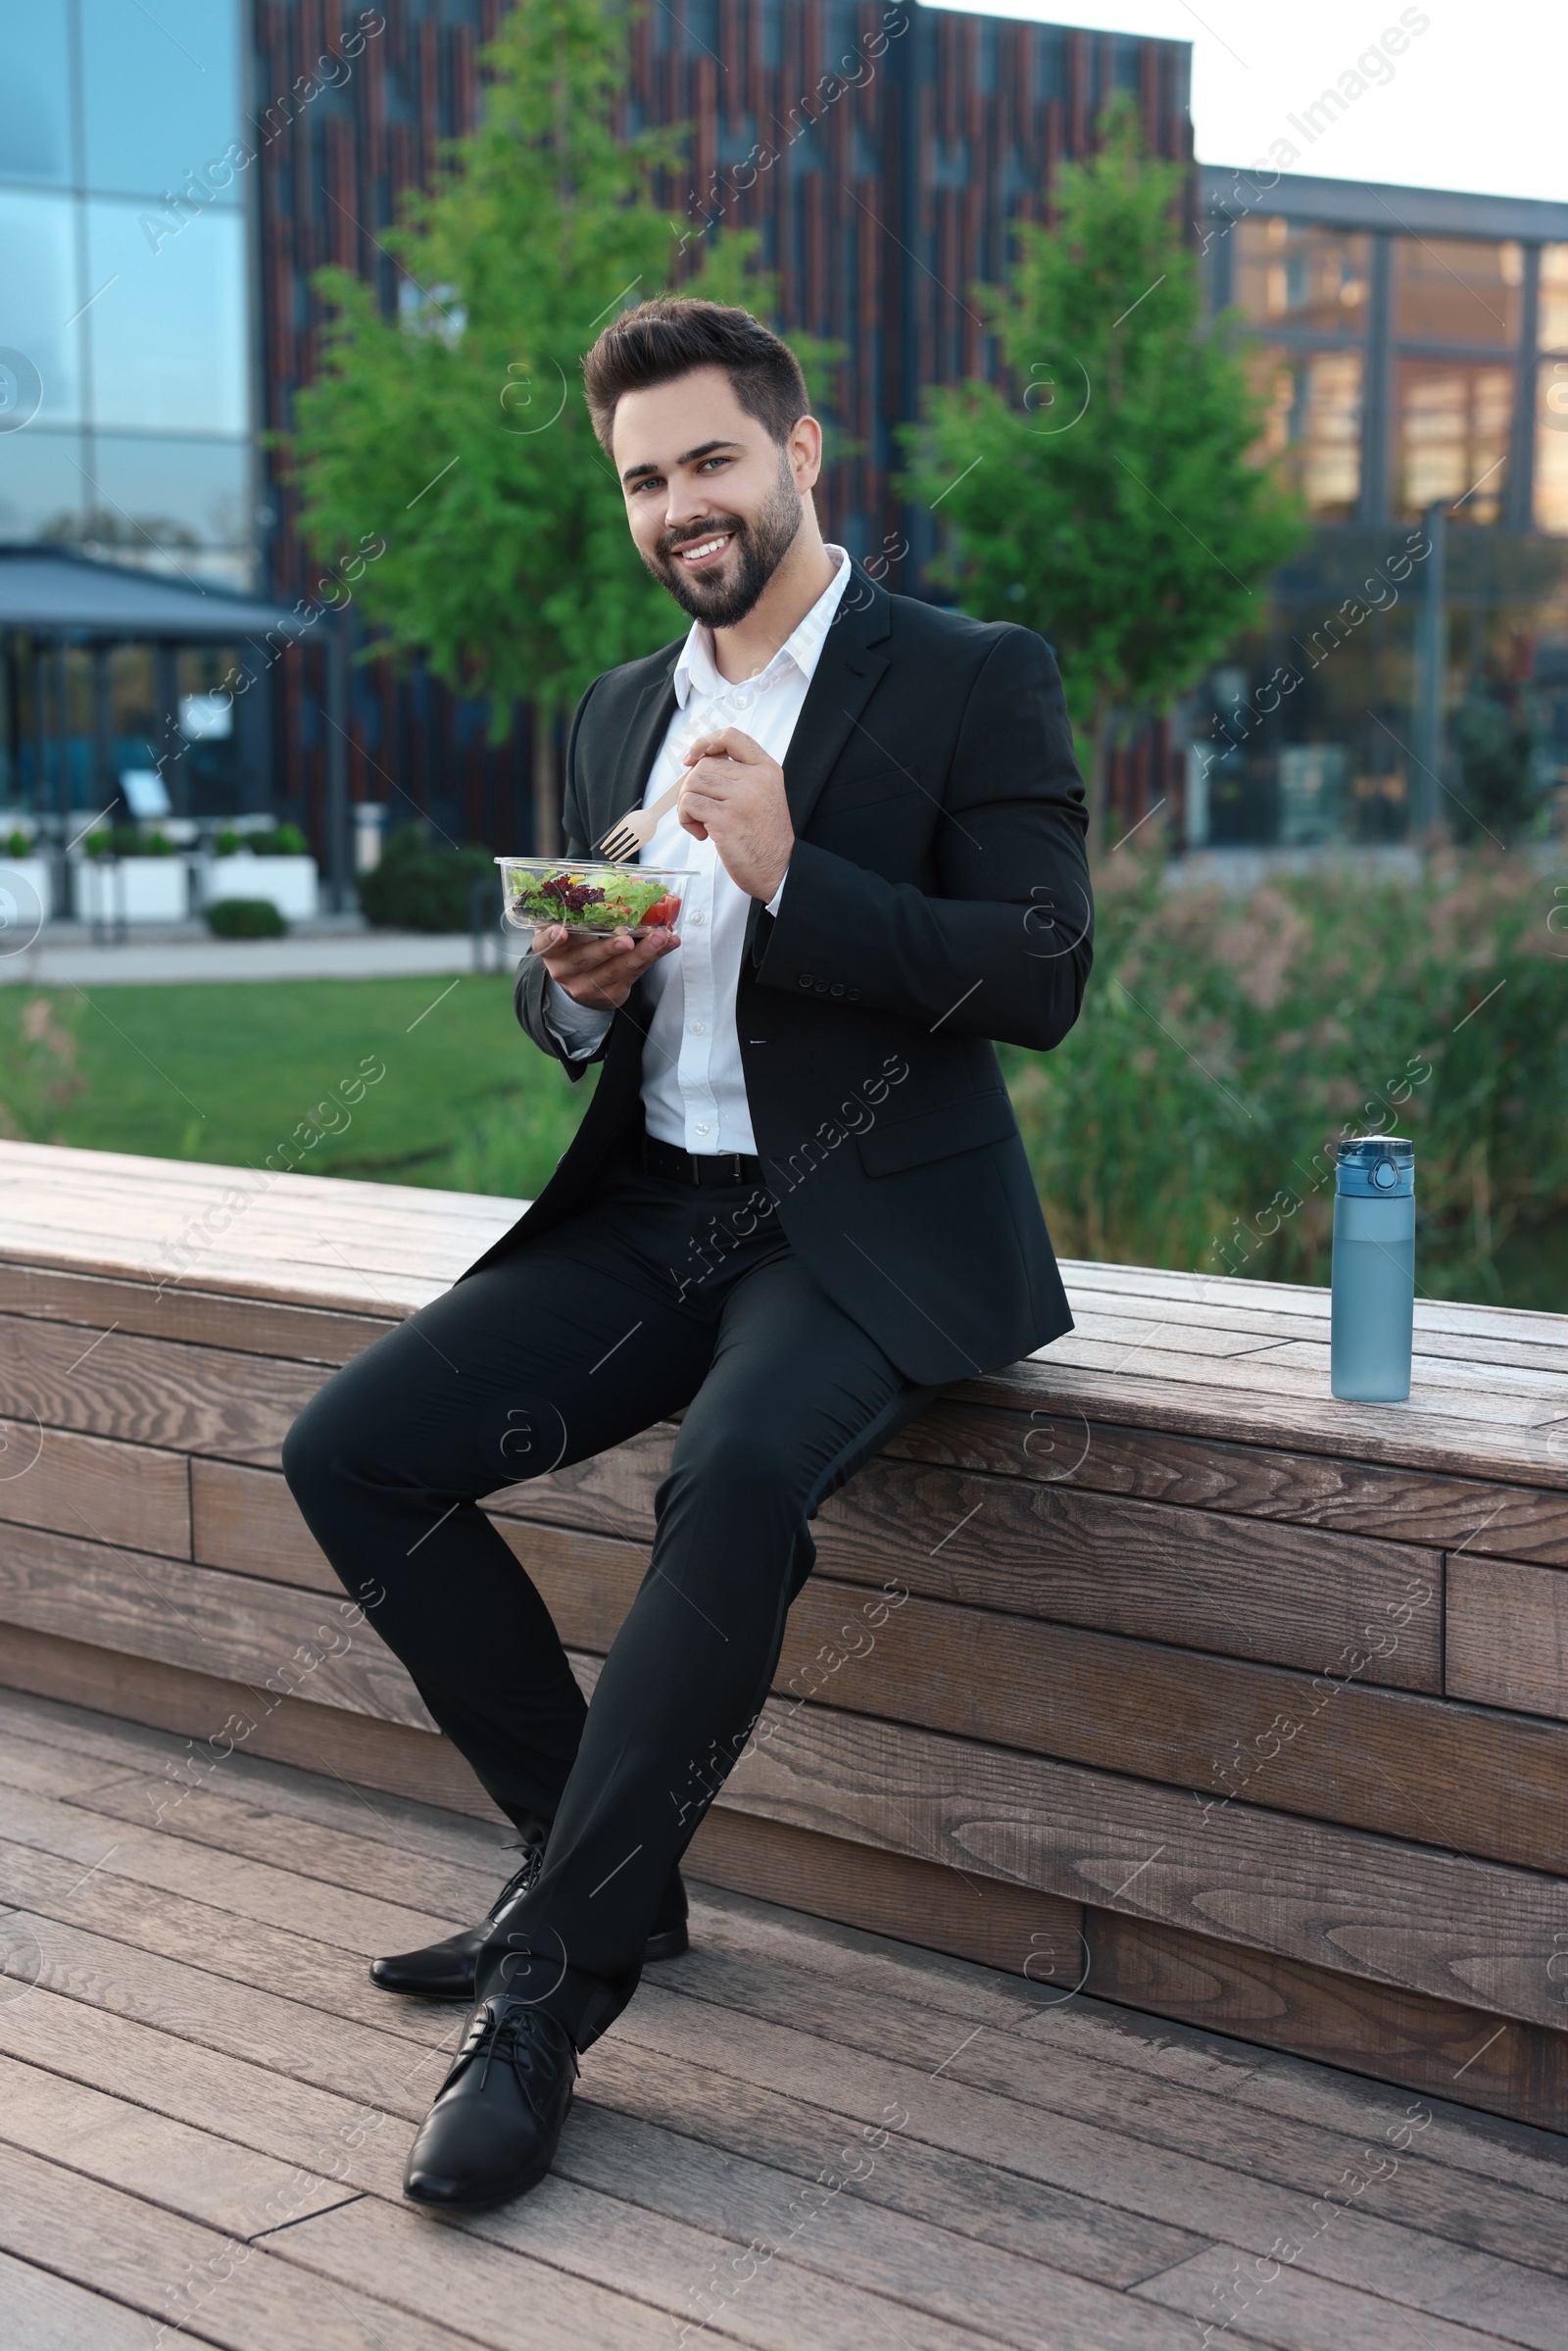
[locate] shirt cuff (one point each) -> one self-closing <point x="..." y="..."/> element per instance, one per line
<point x="576" y="1028"/>
<point x="772" y="905"/>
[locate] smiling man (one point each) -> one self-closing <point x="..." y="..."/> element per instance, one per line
<point x="797" y="1205"/>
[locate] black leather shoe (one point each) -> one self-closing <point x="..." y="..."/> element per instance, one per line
<point x="445" y="1970"/>
<point x="494" y="2129"/>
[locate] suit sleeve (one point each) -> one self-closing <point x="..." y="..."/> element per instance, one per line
<point x="565" y="1042"/>
<point x="1002" y="948"/>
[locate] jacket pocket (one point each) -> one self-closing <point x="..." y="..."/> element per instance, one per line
<point x="869" y="791"/>
<point x="926" y="1135"/>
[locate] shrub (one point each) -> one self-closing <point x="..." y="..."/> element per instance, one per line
<point x="129" y="841"/>
<point x="1189" y="1119"/>
<point x="421" y="886"/>
<point x="282" y="841"/>
<point x="245" y="919"/>
<point x="17" y="844"/>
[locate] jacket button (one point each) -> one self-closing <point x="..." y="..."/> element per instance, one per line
<point x="836" y="988"/>
<point x="805" y="980"/>
<point x="821" y="987"/>
<point x="855" y="996"/>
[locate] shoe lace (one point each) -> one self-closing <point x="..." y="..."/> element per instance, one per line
<point x="519" y="1882"/>
<point x="517" y="2032"/>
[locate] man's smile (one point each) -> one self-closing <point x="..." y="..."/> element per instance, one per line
<point x="703" y="551"/>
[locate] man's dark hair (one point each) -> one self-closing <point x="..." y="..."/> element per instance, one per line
<point x="669" y="336"/>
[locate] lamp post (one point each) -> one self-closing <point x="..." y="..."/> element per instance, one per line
<point x="1431" y="675"/>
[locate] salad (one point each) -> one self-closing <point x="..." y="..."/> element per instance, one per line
<point x="596" y="898"/>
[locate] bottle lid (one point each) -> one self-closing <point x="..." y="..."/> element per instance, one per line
<point x="1376" y="1167"/>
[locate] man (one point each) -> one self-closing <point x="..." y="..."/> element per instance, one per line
<point x="797" y="1205"/>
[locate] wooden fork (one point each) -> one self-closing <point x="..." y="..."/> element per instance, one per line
<point x="637" y="828"/>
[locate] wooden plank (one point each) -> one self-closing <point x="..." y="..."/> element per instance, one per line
<point x="229" y="2186"/>
<point x="602" y="2243"/>
<point x="1203" y="1578"/>
<point x="1507" y="1635"/>
<point x="982" y="1919"/>
<point x="1221" y="2200"/>
<point x="212" y="1932"/>
<point x="247" y="1520"/>
<point x="299" y="2123"/>
<point x="1439" y="2047"/>
<point x="1234" y="1585"/>
<point x="1509" y="1447"/>
<point x="1372" y="1906"/>
<point x="1253" y="1481"/>
<point x="1428" y="1773"/>
<point x="1027" y="2065"/>
<point x="45" y="2313"/>
<point x="922" y="2268"/>
<point x="151" y="1391"/>
<point x="130" y="1492"/>
<point x="101" y="2236"/>
<point x="275" y="1640"/>
<point x="176" y="1310"/>
<point x="358" y="1747"/>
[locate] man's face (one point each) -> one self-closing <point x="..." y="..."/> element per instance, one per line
<point x="714" y="502"/>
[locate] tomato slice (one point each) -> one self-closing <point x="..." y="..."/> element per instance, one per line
<point x="662" y="913"/>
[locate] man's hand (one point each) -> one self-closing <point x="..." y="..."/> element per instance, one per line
<point x="600" y="973"/>
<point x="734" y="792"/>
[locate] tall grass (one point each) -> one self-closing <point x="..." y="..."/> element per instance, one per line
<point x="1226" y="1044"/>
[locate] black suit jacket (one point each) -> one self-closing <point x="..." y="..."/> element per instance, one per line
<point x="938" y="898"/>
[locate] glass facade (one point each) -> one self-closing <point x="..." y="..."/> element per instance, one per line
<point x="1452" y="420"/>
<point x="1315" y="422"/>
<point x="1403" y="368"/>
<point x="1296" y="274"/>
<point x="125" y="285"/>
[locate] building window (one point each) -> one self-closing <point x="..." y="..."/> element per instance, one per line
<point x="1552" y="446"/>
<point x="1455" y="290"/>
<point x="1314" y="424"/>
<point x="1294" y="274"/>
<point x="1451" y="421"/>
<point x="1553" y="332"/>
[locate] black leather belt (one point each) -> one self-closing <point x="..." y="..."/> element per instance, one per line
<point x="730" y="1169"/>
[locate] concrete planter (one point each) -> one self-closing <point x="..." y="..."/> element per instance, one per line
<point x="291" y="883"/>
<point x="26" y="900"/>
<point x="132" y="889"/>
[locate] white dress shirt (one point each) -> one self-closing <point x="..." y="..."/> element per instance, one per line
<point x="694" y="1088"/>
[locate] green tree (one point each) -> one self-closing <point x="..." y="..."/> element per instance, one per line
<point x="1103" y="493"/>
<point x="457" y="430"/>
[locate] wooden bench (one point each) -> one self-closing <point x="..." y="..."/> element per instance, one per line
<point x="1143" y="1667"/>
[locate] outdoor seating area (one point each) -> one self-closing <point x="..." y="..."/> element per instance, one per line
<point x="1206" y="1739"/>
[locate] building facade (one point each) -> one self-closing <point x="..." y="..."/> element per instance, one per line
<point x="171" y="180"/>
<point x="128" y="372"/>
<point x="1414" y="355"/>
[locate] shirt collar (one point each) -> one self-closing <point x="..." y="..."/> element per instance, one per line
<point x="697" y="671"/>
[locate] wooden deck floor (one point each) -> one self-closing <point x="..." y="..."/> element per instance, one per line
<point x="804" y="2137"/>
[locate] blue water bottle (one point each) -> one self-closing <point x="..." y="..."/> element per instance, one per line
<point x="1374" y="1269"/>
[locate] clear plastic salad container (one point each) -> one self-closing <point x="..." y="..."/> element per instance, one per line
<point x="590" y="898"/>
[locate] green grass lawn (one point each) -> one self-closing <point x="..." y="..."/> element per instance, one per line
<point x="243" y="1073"/>
<point x="232" y="1072"/>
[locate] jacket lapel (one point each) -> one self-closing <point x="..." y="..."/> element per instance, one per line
<point x="621" y="783"/>
<point x="842" y="684"/>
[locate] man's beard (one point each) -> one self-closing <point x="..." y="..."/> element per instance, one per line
<point x="762" y="543"/>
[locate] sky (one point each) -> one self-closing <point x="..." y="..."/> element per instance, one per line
<point x="1478" y="99"/>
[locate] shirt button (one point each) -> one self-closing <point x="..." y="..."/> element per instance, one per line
<point x="698" y="918"/>
<point x="702" y="1127"/>
<point x="696" y="1028"/>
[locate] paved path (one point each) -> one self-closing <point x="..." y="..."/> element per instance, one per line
<point x="64" y="955"/>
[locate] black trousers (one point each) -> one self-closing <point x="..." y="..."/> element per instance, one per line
<point x="657" y="1297"/>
